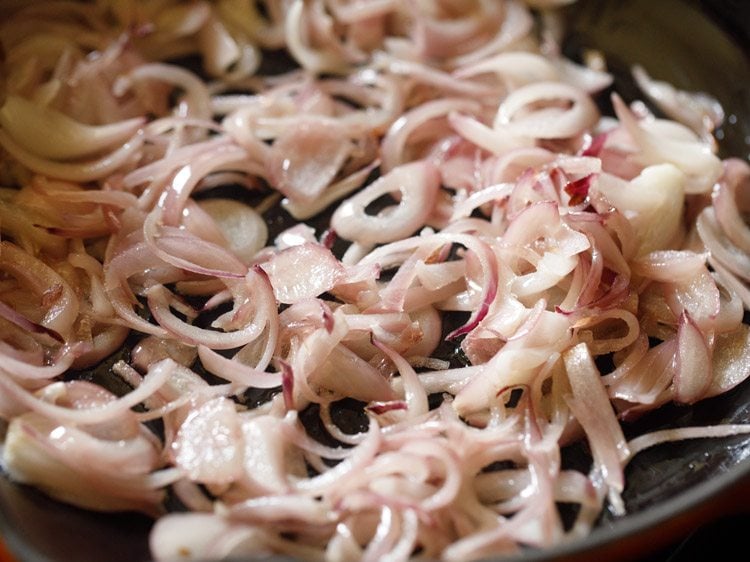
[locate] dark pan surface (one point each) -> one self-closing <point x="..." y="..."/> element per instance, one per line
<point x="671" y="489"/>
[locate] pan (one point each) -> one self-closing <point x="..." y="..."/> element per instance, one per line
<point x="672" y="489"/>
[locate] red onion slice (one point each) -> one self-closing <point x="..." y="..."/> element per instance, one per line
<point x="65" y="138"/>
<point x="693" y="374"/>
<point x="236" y="372"/>
<point x="208" y="443"/>
<point x="728" y="190"/>
<point x="157" y="377"/>
<point x="591" y="406"/>
<point x="302" y="272"/>
<point x="305" y="159"/>
<point x="570" y="111"/>
<point x="415" y="396"/>
<point x="416" y="184"/>
<point x="76" y="171"/>
<point x="730" y="361"/>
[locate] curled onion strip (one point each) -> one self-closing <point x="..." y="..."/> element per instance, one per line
<point x="157" y="377"/>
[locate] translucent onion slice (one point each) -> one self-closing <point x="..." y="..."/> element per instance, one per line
<point x="244" y="228"/>
<point x="48" y="133"/>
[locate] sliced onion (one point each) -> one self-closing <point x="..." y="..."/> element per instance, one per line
<point x="303" y="271"/>
<point x="305" y="159"/>
<point x="591" y="406"/>
<point x="42" y="453"/>
<point x="694" y="157"/>
<point x="726" y="208"/>
<point x="63" y="138"/>
<point x="242" y="226"/>
<point x="76" y="171"/>
<point x="394" y="142"/>
<point x="236" y="372"/>
<point x="551" y="122"/>
<point x="160" y="300"/>
<point x="158" y="376"/>
<point x="417" y="186"/>
<point x="693" y="374"/>
<point x="208" y="444"/>
<point x="731" y="360"/>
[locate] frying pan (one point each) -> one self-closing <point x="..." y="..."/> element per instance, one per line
<point x="672" y="489"/>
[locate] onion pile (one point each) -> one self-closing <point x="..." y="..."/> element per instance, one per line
<point x="447" y="180"/>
